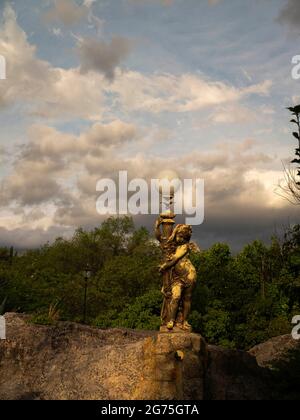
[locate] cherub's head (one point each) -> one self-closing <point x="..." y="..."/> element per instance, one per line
<point x="182" y="234"/>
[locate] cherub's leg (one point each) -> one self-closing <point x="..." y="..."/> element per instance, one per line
<point x="174" y="304"/>
<point x="187" y="303"/>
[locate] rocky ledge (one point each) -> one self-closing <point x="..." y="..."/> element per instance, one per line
<point x="72" y="361"/>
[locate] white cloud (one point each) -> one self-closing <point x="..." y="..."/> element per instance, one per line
<point x="57" y="32"/>
<point x="185" y="93"/>
<point x="58" y="93"/>
<point x="232" y="113"/>
<point x="47" y="167"/>
<point x="44" y="90"/>
<point x="89" y="3"/>
<point x="56" y="171"/>
<point x="48" y="142"/>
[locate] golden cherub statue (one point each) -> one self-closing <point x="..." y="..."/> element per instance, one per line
<point x="179" y="274"/>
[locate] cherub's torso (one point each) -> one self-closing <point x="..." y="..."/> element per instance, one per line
<point x="184" y="269"/>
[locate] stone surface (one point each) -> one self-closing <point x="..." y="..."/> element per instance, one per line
<point x="174" y="366"/>
<point x="235" y="375"/>
<point x="274" y="349"/>
<point x="71" y="361"/>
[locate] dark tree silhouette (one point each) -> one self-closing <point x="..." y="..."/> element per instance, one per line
<point x="289" y="187"/>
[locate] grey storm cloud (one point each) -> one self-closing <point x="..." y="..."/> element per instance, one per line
<point x="23" y="239"/>
<point x="171" y="2"/>
<point x="66" y="11"/>
<point x="290" y="13"/>
<point x="103" y="57"/>
<point x="237" y="229"/>
<point x="240" y="225"/>
<point x="33" y="189"/>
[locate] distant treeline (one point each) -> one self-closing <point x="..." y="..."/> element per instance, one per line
<point x="239" y="301"/>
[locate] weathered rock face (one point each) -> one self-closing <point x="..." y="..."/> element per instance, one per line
<point x="71" y="361"/>
<point x="235" y="375"/>
<point x="274" y="349"/>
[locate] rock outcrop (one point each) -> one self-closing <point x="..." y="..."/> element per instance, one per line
<point x="68" y="361"/>
<point x="272" y="350"/>
<point x="72" y="361"/>
<point x="235" y="375"/>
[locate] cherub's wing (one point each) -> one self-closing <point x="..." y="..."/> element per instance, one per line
<point x="195" y="247"/>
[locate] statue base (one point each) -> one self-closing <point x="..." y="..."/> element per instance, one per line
<point x="174" y="367"/>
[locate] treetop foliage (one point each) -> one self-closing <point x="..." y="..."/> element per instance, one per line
<point x="239" y="300"/>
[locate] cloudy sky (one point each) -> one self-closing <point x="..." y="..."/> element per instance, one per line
<point x="98" y="86"/>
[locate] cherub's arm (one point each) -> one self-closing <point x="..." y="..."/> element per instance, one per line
<point x="180" y="253"/>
